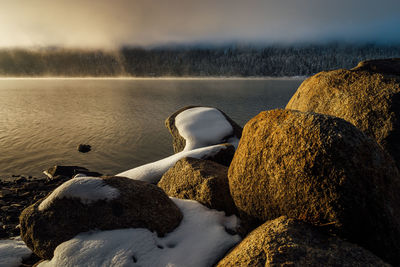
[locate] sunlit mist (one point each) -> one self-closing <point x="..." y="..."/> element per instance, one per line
<point x="109" y="24"/>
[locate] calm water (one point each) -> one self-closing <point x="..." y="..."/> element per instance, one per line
<point x="43" y="120"/>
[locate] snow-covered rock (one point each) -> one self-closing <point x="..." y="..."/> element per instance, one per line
<point x="202" y="126"/>
<point x="87" y="203"/>
<point x="194" y="127"/>
<point x="198" y="132"/>
<point x="200" y="240"/>
<point x="86" y="189"/>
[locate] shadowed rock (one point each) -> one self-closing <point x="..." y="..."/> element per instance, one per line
<point x="368" y="96"/>
<point x="201" y="180"/>
<point x="289" y="242"/>
<point x="68" y="171"/>
<point x="137" y="205"/>
<point x="322" y="170"/>
<point x="386" y="66"/>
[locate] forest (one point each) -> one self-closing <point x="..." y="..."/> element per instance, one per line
<point x="190" y="61"/>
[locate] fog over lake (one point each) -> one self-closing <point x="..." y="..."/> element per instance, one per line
<point x="43" y="120"/>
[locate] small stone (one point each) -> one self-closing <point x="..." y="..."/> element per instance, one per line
<point x="4" y="193"/>
<point x="84" y="148"/>
<point x="24" y="194"/>
<point x="30" y="185"/>
<point x="20" y="180"/>
<point x="3" y="233"/>
<point x="5" y="208"/>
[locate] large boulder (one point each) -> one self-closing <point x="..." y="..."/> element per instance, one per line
<point x="202" y="180"/>
<point x="289" y="242"/>
<point x="320" y="169"/>
<point x="201" y="120"/>
<point x="368" y="96"/>
<point x="88" y="203"/>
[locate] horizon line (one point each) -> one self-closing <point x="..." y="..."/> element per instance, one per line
<point x="157" y="78"/>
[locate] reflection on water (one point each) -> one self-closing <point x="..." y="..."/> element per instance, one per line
<point x="43" y="120"/>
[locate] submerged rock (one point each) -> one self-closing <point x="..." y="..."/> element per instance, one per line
<point x="84" y="148"/>
<point x="289" y="242"/>
<point x="84" y="204"/>
<point x="322" y="170"/>
<point x="368" y="96"/>
<point x="206" y="121"/>
<point x="201" y="180"/>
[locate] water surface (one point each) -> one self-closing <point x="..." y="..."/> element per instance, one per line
<point x="43" y="120"/>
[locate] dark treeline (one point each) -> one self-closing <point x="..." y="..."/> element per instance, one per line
<point x="244" y="61"/>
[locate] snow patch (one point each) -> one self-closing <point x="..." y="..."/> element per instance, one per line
<point x="153" y="172"/>
<point x="86" y="189"/>
<point x="202" y="127"/>
<point x="12" y="251"/>
<point x="200" y="240"/>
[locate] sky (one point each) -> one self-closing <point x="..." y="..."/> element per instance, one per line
<point x="114" y="23"/>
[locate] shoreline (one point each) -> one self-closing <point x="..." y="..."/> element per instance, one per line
<point x="19" y="192"/>
<point x="158" y="78"/>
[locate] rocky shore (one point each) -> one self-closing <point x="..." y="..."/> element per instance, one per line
<point x="19" y="192"/>
<point x="314" y="184"/>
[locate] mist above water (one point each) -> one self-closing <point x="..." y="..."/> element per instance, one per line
<point x="112" y="24"/>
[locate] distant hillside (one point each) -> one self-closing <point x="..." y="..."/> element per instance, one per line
<point x="191" y="61"/>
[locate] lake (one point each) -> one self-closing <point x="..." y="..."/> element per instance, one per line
<point x="42" y="121"/>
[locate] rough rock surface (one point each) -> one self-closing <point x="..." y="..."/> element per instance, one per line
<point x="368" y="96"/>
<point x="139" y="205"/>
<point x="289" y="242"/>
<point x="201" y="180"/>
<point x="179" y="142"/>
<point x="322" y="170"/>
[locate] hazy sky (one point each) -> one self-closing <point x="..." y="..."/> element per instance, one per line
<point x="112" y="23"/>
